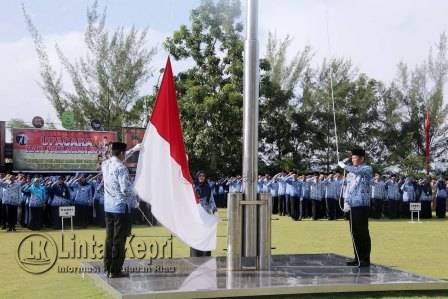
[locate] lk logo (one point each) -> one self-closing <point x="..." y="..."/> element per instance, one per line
<point x="37" y="253"/>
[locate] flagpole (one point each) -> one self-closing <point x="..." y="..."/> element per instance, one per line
<point x="250" y="126"/>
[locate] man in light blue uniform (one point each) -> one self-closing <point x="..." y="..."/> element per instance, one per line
<point x="357" y="202"/>
<point x="330" y="196"/>
<point x="281" y="193"/>
<point x="393" y="197"/>
<point x="83" y="198"/>
<point x="409" y="189"/>
<point x="339" y="182"/>
<point x="272" y="186"/>
<point x="98" y="199"/>
<point x="316" y="197"/>
<point x="11" y="199"/>
<point x="306" y="202"/>
<point x="290" y="192"/>
<point x="118" y="197"/>
<point x="235" y="184"/>
<point x="378" y="196"/>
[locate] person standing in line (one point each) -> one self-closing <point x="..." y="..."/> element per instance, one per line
<point x="409" y="195"/>
<point x="426" y="198"/>
<point x="441" y="196"/>
<point x="377" y="198"/>
<point x="393" y="196"/>
<point x="60" y="197"/>
<point x="11" y="199"/>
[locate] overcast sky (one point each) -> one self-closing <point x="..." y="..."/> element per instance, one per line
<point x="375" y="34"/>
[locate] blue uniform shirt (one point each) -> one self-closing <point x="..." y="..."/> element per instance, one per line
<point x="118" y="193"/>
<point x="392" y="190"/>
<point x="358" y="188"/>
<point x="11" y="193"/>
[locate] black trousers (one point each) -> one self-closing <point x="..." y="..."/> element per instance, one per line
<point x="405" y="213"/>
<point x="331" y="208"/>
<point x="359" y="227"/>
<point x="288" y="204"/>
<point x="306" y="208"/>
<point x="426" y="212"/>
<point x="281" y="205"/>
<point x="83" y="215"/>
<point x="117" y="229"/>
<point x="274" y="204"/>
<point x="316" y="209"/>
<point x="36" y="218"/>
<point x="440" y="207"/>
<point x="22" y="214"/>
<point x="199" y="253"/>
<point x="55" y="219"/>
<point x="394" y="209"/>
<point x="12" y="216"/>
<point x="4" y="215"/>
<point x="294" y="211"/>
<point x="376" y="208"/>
<point x="100" y="216"/>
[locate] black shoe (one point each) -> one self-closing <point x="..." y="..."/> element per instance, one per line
<point x="352" y="263"/>
<point x="364" y="264"/>
<point x="118" y="275"/>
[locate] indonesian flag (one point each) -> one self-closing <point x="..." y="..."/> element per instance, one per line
<point x="163" y="178"/>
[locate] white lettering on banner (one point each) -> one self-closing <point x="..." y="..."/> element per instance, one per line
<point x="67" y="211"/>
<point x="415" y="206"/>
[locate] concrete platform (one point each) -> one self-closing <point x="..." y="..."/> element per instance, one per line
<point x="289" y="274"/>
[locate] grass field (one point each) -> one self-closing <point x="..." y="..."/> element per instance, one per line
<point x="420" y="248"/>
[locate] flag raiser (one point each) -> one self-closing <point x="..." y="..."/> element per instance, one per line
<point x="163" y="178"/>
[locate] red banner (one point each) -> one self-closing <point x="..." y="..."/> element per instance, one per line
<point x="37" y="149"/>
<point x="133" y="136"/>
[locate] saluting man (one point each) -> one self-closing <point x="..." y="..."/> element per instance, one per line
<point x="378" y="195"/>
<point x="118" y="197"/>
<point x="357" y="203"/>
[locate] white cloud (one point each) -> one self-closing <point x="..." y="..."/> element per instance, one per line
<point x="375" y="34"/>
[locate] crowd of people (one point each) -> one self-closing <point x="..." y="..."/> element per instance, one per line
<point x="319" y="195"/>
<point x="34" y="200"/>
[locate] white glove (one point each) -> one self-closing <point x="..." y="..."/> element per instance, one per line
<point x="346" y="160"/>
<point x="341" y="164"/>
<point x="346" y="207"/>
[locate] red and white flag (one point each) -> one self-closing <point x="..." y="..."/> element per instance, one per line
<point x="163" y="178"/>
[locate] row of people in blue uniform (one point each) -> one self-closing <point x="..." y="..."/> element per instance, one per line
<point x="35" y="201"/>
<point x="321" y="196"/>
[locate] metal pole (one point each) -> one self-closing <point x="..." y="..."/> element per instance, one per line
<point x="264" y="232"/>
<point x="250" y="127"/>
<point x="235" y="233"/>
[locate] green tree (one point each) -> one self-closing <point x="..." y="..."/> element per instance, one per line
<point x="280" y="79"/>
<point x="356" y="110"/>
<point x="210" y="92"/>
<point x="421" y="90"/>
<point x="106" y="81"/>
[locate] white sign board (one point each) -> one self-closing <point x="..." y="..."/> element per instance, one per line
<point x="415" y="206"/>
<point x="67" y="211"/>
